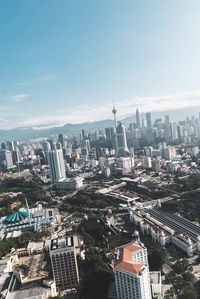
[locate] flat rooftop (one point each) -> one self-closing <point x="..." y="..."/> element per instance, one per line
<point x="155" y="277"/>
<point x="62" y="243"/>
<point x="31" y="293"/>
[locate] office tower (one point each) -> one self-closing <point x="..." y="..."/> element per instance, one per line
<point x="10" y="146"/>
<point x="110" y="134"/>
<point x="6" y="160"/>
<point x="84" y="134"/>
<point x="61" y="139"/>
<point x="46" y="145"/>
<point x="56" y="165"/>
<point x="167" y="119"/>
<point x="131" y="272"/>
<point x="58" y="145"/>
<point x="64" y="263"/>
<point x="87" y="144"/>
<point x="146" y="162"/>
<point x="99" y="152"/>
<point x="174" y="131"/>
<point x="52" y="144"/>
<point x="16" y="155"/>
<point x="3" y="145"/>
<point x="138" y="122"/>
<point x="148" y="119"/>
<point x="122" y="149"/>
<point x="84" y="151"/>
<point x="180" y="131"/>
<point x="144" y="123"/>
<point x="168" y="132"/>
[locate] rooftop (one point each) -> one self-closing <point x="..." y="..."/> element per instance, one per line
<point x="125" y="261"/>
<point x="16" y="217"/>
<point x="62" y="243"/>
<point x="31" y="293"/>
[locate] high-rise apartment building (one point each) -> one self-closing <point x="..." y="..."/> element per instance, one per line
<point x="146" y="162"/>
<point x="56" y="165"/>
<point x="64" y="263"/>
<point x="131" y="272"/>
<point x="122" y="148"/>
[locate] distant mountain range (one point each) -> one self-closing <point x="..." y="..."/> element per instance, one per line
<point x="25" y="133"/>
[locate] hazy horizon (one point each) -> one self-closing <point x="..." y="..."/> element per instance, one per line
<point x="64" y="62"/>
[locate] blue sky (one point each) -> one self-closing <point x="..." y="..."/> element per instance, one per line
<point x="65" y="60"/>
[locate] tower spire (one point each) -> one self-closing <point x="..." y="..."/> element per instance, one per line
<point x="114" y="111"/>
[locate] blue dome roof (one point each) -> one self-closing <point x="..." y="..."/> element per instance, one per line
<point x="16" y="217"/>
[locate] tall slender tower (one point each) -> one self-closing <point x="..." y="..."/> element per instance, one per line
<point x="114" y="111"/>
<point x="27" y="207"/>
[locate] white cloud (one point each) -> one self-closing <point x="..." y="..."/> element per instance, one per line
<point x="80" y="114"/>
<point x="126" y="107"/>
<point x="19" y="97"/>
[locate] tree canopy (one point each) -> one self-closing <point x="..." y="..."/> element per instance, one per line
<point x="98" y="276"/>
<point x="157" y="258"/>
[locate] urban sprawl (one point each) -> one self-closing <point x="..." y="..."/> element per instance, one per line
<point x="112" y="213"/>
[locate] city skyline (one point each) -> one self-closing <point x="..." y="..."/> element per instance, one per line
<point x="64" y="62"/>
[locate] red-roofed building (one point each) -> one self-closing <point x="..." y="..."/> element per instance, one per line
<point x="132" y="272"/>
<point x="15" y="204"/>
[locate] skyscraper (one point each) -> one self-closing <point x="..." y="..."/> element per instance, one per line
<point x="110" y="135"/>
<point x="138" y="122"/>
<point x="6" y="161"/>
<point x="131" y="272"/>
<point x="64" y="263"/>
<point x="56" y="165"/>
<point x="122" y="149"/>
<point x="61" y="139"/>
<point x="148" y="119"/>
<point x="166" y="119"/>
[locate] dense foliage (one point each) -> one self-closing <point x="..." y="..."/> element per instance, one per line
<point x="98" y="276"/>
<point x="83" y="200"/>
<point x="188" y="184"/>
<point x="181" y="266"/>
<point x="21" y="241"/>
<point x="157" y="257"/>
<point x="32" y="190"/>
